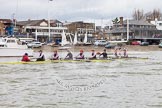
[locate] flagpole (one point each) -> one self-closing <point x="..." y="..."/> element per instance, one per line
<point x="127" y="30"/>
<point x="49" y="30"/>
<point x="48" y="23"/>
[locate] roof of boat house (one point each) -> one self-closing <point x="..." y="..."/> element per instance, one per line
<point x="31" y="22"/>
<point x="5" y="21"/>
<point x="118" y="30"/>
<point x="37" y="22"/>
<point x="55" y="21"/>
<point x="138" y="22"/>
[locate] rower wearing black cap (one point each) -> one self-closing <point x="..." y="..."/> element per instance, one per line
<point x="104" y="54"/>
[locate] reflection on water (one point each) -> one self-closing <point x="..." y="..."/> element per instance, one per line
<point x="134" y="83"/>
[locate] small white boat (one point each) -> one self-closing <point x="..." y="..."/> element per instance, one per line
<point x="64" y="42"/>
<point x="9" y="47"/>
<point x="64" y="48"/>
<point x="76" y="42"/>
<point x="86" y="40"/>
<point x="75" y="39"/>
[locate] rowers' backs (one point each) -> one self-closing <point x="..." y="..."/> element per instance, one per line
<point x="69" y="55"/>
<point x="55" y="55"/>
<point x="118" y="52"/>
<point x="41" y="56"/>
<point x="80" y="55"/>
<point x="25" y="58"/>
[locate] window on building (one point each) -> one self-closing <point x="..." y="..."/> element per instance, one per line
<point x="39" y="30"/>
<point x="132" y="26"/>
<point x="160" y="24"/>
<point x="45" y="30"/>
<point x="138" y="26"/>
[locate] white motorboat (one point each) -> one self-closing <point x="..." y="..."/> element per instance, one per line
<point x="9" y="47"/>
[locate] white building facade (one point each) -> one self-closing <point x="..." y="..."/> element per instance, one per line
<point x="157" y="23"/>
<point x="39" y="30"/>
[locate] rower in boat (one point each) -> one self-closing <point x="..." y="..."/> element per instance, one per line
<point x="104" y="54"/>
<point x="125" y="52"/>
<point x="116" y="52"/>
<point x="25" y="58"/>
<point x="80" y="55"/>
<point x="69" y="55"/>
<point x="93" y="55"/>
<point x="41" y="56"/>
<point x="55" y="55"/>
<point x="120" y="50"/>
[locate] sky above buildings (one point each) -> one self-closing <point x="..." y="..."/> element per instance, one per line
<point x="98" y="11"/>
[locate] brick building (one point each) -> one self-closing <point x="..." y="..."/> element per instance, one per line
<point x="81" y="28"/>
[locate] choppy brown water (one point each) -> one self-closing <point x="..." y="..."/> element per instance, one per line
<point x="134" y="83"/>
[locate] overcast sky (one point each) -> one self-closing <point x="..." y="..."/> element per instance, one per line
<point x="99" y="11"/>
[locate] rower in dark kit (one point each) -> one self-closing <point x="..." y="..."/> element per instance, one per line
<point x="93" y="55"/>
<point x="104" y="54"/>
<point x="69" y="55"/>
<point x="55" y="55"/>
<point x="41" y="56"/>
<point x="116" y="52"/>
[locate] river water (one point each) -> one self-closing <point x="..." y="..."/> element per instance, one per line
<point x="134" y="83"/>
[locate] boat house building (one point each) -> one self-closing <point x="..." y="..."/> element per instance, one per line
<point x="140" y="30"/>
<point x="40" y="30"/>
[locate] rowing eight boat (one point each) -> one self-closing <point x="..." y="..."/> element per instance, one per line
<point x="72" y="61"/>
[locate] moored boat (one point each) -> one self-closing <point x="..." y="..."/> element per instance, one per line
<point x="9" y="47"/>
<point x="64" y="42"/>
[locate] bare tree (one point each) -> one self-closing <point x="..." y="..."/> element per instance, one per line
<point x="138" y="14"/>
<point x="156" y="13"/>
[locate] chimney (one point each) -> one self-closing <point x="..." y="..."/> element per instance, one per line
<point x="121" y="20"/>
<point x="148" y="20"/>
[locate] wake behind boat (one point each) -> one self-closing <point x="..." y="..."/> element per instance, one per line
<point x="9" y="47"/>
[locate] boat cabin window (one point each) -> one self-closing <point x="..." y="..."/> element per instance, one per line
<point x="2" y="40"/>
<point x="11" y="41"/>
<point x="2" y="45"/>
